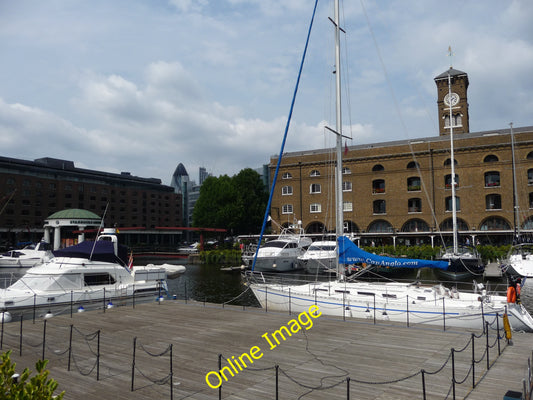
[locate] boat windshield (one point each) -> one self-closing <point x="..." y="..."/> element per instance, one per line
<point x="48" y="282"/>
<point x="275" y="243"/>
<point x="322" y="247"/>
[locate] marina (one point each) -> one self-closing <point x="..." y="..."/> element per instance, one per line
<point x="383" y="360"/>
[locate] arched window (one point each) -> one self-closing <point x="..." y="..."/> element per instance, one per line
<point x="530" y="176"/>
<point x="377" y="168"/>
<point x="413" y="165"/>
<point x="379" y="207"/>
<point x="495" y="224"/>
<point x="286" y="190"/>
<point x="449" y="203"/>
<point x="492" y="179"/>
<point x="413" y="184"/>
<point x="493" y="202"/>
<point x="448" y="181"/>
<point x="315" y="188"/>
<point x="378" y="186"/>
<point x="530" y="155"/>
<point x="414" y="205"/>
<point x="490" y="158"/>
<point x="380" y="226"/>
<point x="415" y="225"/>
<point x="315" y="172"/>
<point x="448" y="162"/>
<point x="447" y="225"/>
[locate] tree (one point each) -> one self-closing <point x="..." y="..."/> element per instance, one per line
<point x="38" y="387"/>
<point x="236" y="204"/>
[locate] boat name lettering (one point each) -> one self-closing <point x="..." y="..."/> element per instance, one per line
<point x="384" y="263"/>
<point x="235" y="365"/>
<point x="81" y="222"/>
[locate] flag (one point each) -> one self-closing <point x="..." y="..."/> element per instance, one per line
<point x="130" y="261"/>
<point x="345" y="147"/>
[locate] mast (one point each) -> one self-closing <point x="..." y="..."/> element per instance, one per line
<point x="339" y="230"/>
<point x="454" y="205"/>
<point x="515" y="190"/>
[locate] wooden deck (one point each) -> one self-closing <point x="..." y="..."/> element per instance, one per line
<point x="377" y="358"/>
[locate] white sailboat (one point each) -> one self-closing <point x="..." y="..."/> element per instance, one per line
<point x="464" y="260"/>
<point x="400" y="302"/>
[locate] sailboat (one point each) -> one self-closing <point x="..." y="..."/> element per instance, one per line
<point x="464" y="260"/>
<point x="519" y="261"/>
<point x="401" y="302"/>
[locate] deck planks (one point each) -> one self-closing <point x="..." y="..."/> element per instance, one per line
<point x="319" y="357"/>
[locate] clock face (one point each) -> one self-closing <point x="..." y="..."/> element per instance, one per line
<point x="451" y="99"/>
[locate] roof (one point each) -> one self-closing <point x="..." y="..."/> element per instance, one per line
<point x="74" y="213"/>
<point x="451" y="72"/>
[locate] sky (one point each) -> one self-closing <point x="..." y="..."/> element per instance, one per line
<point x="140" y="86"/>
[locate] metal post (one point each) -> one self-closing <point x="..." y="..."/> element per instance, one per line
<point x="289" y="301"/>
<point x="34" y="305"/>
<point x="444" y="310"/>
<point x="171" y="375"/>
<point x="133" y="363"/>
<point x="487" y="344"/>
<point x="70" y="347"/>
<point x="2" y="336"/>
<point x="266" y="299"/>
<point x="71" y="300"/>
<point x="219" y="368"/>
<point x="98" y="358"/>
<point x="423" y="383"/>
<point x="498" y="333"/>
<point x="344" y="305"/>
<point x="374" y="308"/>
<point x="407" y="311"/>
<point x="133" y="297"/>
<point x="473" y="362"/>
<point x="453" y="372"/>
<point x="104" y="300"/>
<point x="185" y="283"/>
<point x="44" y="338"/>
<point x="347" y="388"/>
<point x="277" y="382"/>
<point x="20" y="338"/>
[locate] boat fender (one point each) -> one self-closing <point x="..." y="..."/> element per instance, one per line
<point x="110" y="305"/>
<point x="5" y="316"/>
<point x="48" y="315"/>
<point x="507" y="327"/>
<point x="81" y="309"/>
<point x="511" y="294"/>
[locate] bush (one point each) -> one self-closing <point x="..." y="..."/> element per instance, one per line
<point x="38" y="387"/>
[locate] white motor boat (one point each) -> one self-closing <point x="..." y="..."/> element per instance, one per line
<point x="91" y="271"/>
<point x="519" y="260"/>
<point x="281" y="254"/>
<point x="320" y="257"/>
<point x="29" y="256"/>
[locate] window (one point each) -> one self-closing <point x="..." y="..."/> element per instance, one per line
<point x="414" y="205"/>
<point x="347" y="206"/>
<point x="379" y="207"/>
<point x="377" y="168"/>
<point x="286" y="175"/>
<point x="490" y="158"/>
<point x="448" y="181"/>
<point x="315" y="208"/>
<point x="315" y="188"/>
<point x="315" y="172"/>
<point x="346" y="186"/>
<point x="492" y="179"/>
<point x="448" y="162"/>
<point x="530" y="176"/>
<point x="93" y="279"/>
<point x="413" y="165"/>
<point x="457" y="120"/>
<point x="493" y="202"/>
<point x="286" y="209"/>
<point x="378" y="186"/>
<point x="449" y="204"/>
<point x="346" y="171"/>
<point x="286" y="190"/>
<point x="413" y="184"/>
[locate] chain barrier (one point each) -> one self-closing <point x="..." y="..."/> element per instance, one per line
<point x="161" y="381"/>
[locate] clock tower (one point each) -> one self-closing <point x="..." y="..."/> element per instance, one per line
<point x="452" y="87"/>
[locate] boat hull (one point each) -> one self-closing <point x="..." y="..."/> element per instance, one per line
<point x="276" y="264"/>
<point x="364" y="301"/>
<point x="318" y="265"/>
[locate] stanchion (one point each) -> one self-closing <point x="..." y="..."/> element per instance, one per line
<point x="473" y="361"/>
<point x="20" y="338"/>
<point x="498" y="333"/>
<point x="104" y="301"/>
<point x="219" y="368"/>
<point x="70" y="347"/>
<point x="487" y="344"/>
<point x="71" y="301"/>
<point x="423" y="373"/>
<point x="407" y="308"/>
<point x="171" y="374"/>
<point x="2" y="336"/>
<point x="34" y="305"/>
<point x="277" y="382"/>
<point x="133" y="363"/>
<point x="289" y="301"/>
<point x="348" y="388"/>
<point x="266" y="299"/>
<point x="44" y="337"/>
<point x="98" y="358"/>
<point x="443" y="314"/>
<point x="453" y="372"/>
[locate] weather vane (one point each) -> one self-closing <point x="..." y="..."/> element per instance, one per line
<point x="450" y="54"/>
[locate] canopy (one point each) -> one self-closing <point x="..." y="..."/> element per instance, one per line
<point x="349" y="253"/>
<point x="101" y="250"/>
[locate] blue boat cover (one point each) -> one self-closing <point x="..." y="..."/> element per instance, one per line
<point x="349" y="253"/>
<point x="102" y="250"/>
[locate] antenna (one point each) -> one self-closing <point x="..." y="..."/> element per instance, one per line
<point x="450" y="54"/>
<point x="98" y="230"/>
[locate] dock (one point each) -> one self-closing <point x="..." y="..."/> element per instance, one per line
<point x="177" y="343"/>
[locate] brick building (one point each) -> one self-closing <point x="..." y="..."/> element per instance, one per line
<point x="400" y="192"/>
<point x="33" y="190"/>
